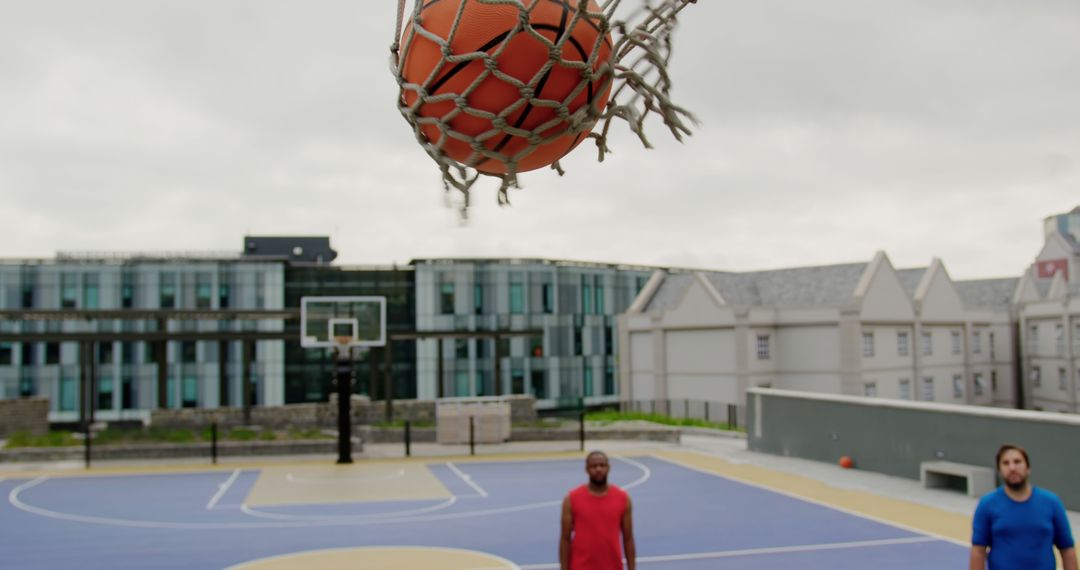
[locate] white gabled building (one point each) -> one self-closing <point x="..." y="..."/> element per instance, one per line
<point x="860" y="329"/>
<point x="1049" y="318"/>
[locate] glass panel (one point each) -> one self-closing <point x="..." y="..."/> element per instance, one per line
<point x="517" y="298"/>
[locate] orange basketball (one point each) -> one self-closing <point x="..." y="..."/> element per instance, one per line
<point x="512" y="111"/>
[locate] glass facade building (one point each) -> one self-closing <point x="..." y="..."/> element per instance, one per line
<point x="463" y="327"/>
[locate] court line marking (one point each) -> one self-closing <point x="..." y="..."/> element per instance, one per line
<point x="792" y="495"/>
<point x="13" y="499"/>
<point x="467" y="479"/>
<point x="222" y="489"/>
<point x="509" y="564"/>
<point x="359" y="517"/>
<point x="322" y="481"/>
<point x="764" y="551"/>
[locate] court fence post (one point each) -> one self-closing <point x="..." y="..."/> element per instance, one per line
<point x="581" y="430"/>
<point x="472" y="436"/>
<point x="86" y="443"/>
<point x="408" y="438"/>
<point x="213" y="443"/>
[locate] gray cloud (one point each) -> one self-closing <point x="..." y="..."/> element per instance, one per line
<point x="828" y="131"/>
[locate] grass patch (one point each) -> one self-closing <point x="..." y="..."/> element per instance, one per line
<point x="401" y="424"/>
<point x="613" y="416"/>
<point x="51" y="439"/>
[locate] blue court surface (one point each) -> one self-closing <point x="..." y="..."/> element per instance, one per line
<point x="684" y="519"/>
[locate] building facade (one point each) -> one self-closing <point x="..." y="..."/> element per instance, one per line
<point x="859" y="329"/>
<point x="1048" y="306"/>
<point x="191" y="373"/>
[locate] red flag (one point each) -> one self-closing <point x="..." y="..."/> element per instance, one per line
<point x="1047" y="268"/>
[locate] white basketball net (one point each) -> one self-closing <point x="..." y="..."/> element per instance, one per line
<point x="637" y="69"/>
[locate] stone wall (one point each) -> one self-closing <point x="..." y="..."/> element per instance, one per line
<point x="24" y="414"/>
<point x="322" y="415"/>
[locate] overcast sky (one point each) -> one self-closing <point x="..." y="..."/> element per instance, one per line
<point x="829" y="130"/>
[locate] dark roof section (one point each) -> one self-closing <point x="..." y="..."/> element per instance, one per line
<point x="800" y="286"/>
<point x="300" y="250"/>
<point x="992" y="293"/>
<point x="910" y="278"/>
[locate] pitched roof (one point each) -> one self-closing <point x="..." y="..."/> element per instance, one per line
<point x="987" y="292"/>
<point x="910" y="278"/>
<point x="670" y="292"/>
<point x="800" y="286"/>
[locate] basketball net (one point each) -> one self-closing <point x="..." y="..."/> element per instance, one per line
<point x="642" y="36"/>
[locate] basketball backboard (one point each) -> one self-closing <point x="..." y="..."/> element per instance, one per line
<point x="325" y="321"/>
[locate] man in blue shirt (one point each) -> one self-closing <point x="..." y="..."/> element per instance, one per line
<point x="1020" y="524"/>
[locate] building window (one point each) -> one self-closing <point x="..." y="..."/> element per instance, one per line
<point x="6" y="354"/>
<point x="578" y="348"/>
<point x="67" y="393"/>
<point x="609" y="340"/>
<point x="586" y="295"/>
<point x="927" y="344"/>
<point x="599" y="285"/>
<point x="29" y="280"/>
<point x="461" y="383"/>
<point x="901" y="344"/>
<point x="517" y="298"/>
<point x="127" y="291"/>
<point x="224" y="291"/>
<point x="905" y="389"/>
<point x="870" y="389"/>
<point x="976" y="342"/>
<point x="536" y="346"/>
<point x="105" y="394"/>
<point x="993" y="380"/>
<point x="1076" y="338"/>
<point x="609" y="379"/>
<point x="69" y="291"/>
<point x="517" y="381"/>
<point x="203" y="291"/>
<point x="105" y="352"/>
<point x="188" y="351"/>
<point x="1063" y="381"/>
<point x="167" y="291"/>
<point x="588" y="389"/>
<point x="548" y="293"/>
<point x="763" y="352"/>
<point x="461" y="348"/>
<point x="867" y="344"/>
<point x="91" y="291"/>
<point x="958" y="386"/>
<point x="26" y="385"/>
<point x="1036" y="376"/>
<point x="52" y="353"/>
<point x="928" y="388"/>
<point x="980" y="384"/>
<point x="1059" y="339"/>
<point x="1033" y="340"/>
<point x="539" y="384"/>
<point x="991" y="341"/>
<point x="27" y="354"/>
<point x="955" y="342"/>
<point x="478" y="298"/>
<point x="446" y="298"/>
<point x="127" y="392"/>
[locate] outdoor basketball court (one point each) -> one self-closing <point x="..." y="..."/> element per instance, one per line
<point x="692" y="511"/>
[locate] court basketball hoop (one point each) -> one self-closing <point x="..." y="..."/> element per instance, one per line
<point x="500" y="87"/>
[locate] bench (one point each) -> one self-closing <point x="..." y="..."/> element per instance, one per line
<point x="939" y="474"/>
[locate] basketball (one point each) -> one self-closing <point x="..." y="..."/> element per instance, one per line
<point x="846" y="462"/>
<point x="488" y="110"/>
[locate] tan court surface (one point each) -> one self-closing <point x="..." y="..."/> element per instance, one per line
<point x="374" y="558"/>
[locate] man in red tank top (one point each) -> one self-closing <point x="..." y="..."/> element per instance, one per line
<point x="594" y="516"/>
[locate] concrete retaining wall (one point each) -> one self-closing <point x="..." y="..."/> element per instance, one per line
<point x="25" y="414"/>
<point x="895" y="436"/>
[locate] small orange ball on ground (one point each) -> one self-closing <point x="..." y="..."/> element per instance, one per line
<point x="846" y="462"/>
